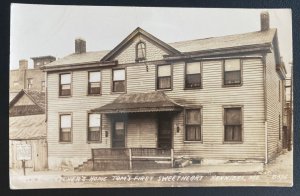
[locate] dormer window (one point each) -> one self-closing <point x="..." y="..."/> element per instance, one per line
<point x="140" y="51"/>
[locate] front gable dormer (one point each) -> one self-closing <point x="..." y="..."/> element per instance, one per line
<point x="139" y="46"/>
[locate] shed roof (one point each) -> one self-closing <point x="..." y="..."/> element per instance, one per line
<point x="140" y="102"/>
<point x="27" y="127"/>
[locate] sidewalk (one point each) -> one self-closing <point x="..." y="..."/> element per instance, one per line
<point x="204" y="170"/>
<point x="277" y="173"/>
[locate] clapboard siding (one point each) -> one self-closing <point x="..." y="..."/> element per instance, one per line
<point x="212" y="97"/>
<point x="128" y="55"/>
<point x="274" y="107"/>
<point x="141" y="131"/>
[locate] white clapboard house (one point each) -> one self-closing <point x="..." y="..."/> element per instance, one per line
<point x="149" y="103"/>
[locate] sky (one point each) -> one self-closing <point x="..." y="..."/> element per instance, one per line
<point x="39" y="30"/>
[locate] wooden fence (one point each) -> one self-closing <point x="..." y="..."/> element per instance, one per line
<point x="131" y="158"/>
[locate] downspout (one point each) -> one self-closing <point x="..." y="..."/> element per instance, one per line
<point x="265" y="107"/>
<point x="46" y="116"/>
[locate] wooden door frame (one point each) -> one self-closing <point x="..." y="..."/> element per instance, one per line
<point x="117" y="118"/>
<point x="171" y="134"/>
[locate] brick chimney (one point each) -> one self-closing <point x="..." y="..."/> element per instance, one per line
<point x="264" y="21"/>
<point x="23" y="64"/>
<point x="80" y="46"/>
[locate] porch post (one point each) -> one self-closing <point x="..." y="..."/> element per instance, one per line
<point x="130" y="159"/>
<point x="172" y="157"/>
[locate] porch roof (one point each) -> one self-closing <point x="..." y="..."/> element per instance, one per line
<point x="139" y="102"/>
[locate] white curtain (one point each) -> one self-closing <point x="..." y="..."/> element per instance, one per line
<point x="119" y="75"/>
<point x="94" y="120"/>
<point x="164" y="70"/>
<point x="65" y="121"/>
<point x="193" y="68"/>
<point x="65" y="79"/>
<point x="94" y="76"/>
<point x="232" y="65"/>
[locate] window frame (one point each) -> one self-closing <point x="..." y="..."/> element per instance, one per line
<point x="29" y="83"/>
<point x="59" y="85"/>
<point x="88" y="83"/>
<point x="242" y="123"/>
<point x="171" y="78"/>
<point x="112" y="81"/>
<point x="138" y="59"/>
<point x="185" y="76"/>
<point x="88" y="126"/>
<point x="59" y="124"/>
<point x="185" y="125"/>
<point x="223" y="73"/>
<point x="43" y="87"/>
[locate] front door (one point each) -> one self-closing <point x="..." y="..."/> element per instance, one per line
<point x="118" y="134"/>
<point x="164" y="131"/>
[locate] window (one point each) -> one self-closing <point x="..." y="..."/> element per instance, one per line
<point x="94" y="127"/>
<point x="94" y="86"/>
<point x="193" y="75"/>
<point x="29" y="83"/>
<point x="119" y="80"/>
<point x="65" y="84"/>
<point x="233" y="124"/>
<point x="140" y="51"/>
<point x="232" y="72"/>
<point x="192" y="125"/>
<point x="65" y="128"/>
<point x="164" y="77"/>
<point x="43" y="86"/>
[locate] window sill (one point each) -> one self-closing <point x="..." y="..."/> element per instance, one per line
<point x="94" y="95"/>
<point x="117" y="93"/>
<point x="93" y="142"/>
<point x="65" y="142"/>
<point x="237" y="142"/>
<point x="231" y="85"/>
<point x="167" y="89"/>
<point x="194" y="88"/>
<point x="67" y="96"/>
<point x="192" y="142"/>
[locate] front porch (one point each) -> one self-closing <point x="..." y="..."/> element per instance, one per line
<point x="131" y="158"/>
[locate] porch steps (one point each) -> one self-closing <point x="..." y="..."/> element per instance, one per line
<point x="85" y="166"/>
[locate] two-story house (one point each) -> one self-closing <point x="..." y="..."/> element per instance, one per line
<point x="218" y="98"/>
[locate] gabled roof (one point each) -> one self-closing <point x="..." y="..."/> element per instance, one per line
<point x="36" y="97"/>
<point x="138" y="31"/>
<point x="183" y="47"/>
<point x="140" y="102"/>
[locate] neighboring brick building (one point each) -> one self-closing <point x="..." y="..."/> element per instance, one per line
<point x="24" y="78"/>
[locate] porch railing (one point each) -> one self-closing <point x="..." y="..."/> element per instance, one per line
<point x="124" y="158"/>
